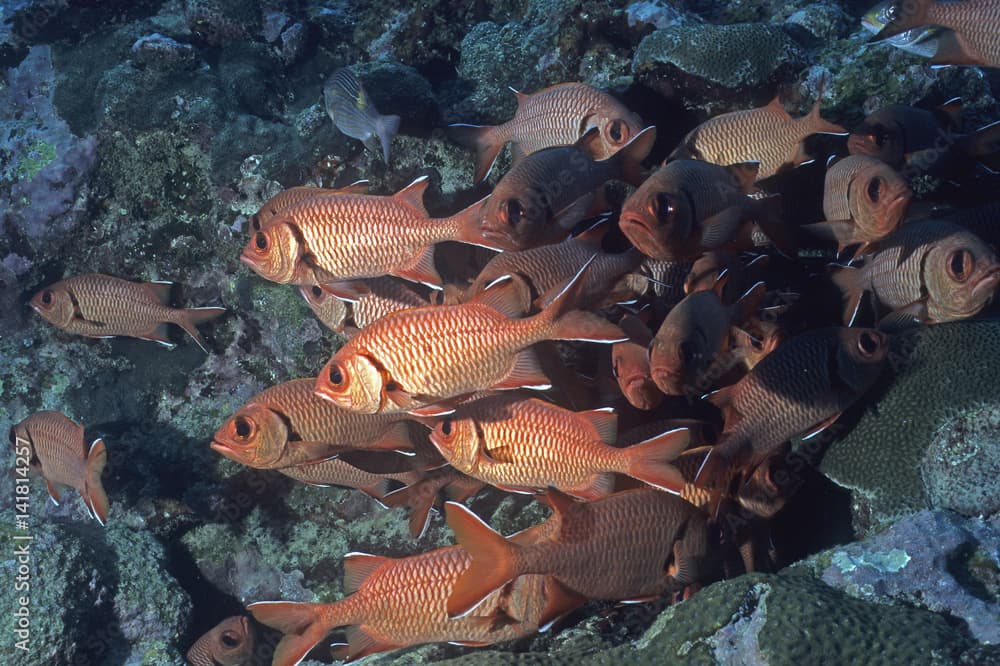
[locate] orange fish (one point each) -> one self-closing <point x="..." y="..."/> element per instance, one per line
<point x="546" y="194"/>
<point x="293" y="195"/>
<point x="767" y="135"/>
<point x="971" y="36"/>
<point x="329" y="309"/>
<point x="59" y="451"/>
<point x="346" y="472"/>
<point x="630" y="365"/>
<point x="422" y="495"/>
<point x="288" y="424"/>
<point x="526" y="444"/>
<point x="229" y="643"/>
<point x="101" y="306"/>
<point x="349" y="236"/>
<point x="687" y="207"/>
<point x="394" y="603"/>
<point x="374" y="298"/>
<point x="556" y="116"/>
<point x="633" y="545"/>
<point x="417" y="357"/>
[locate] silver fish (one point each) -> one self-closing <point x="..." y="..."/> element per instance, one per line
<point x="352" y="111"/>
<point x="918" y="41"/>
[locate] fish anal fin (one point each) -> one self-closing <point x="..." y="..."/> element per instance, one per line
<point x="820" y="427"/>
<point x="159" y="334"/>
<point x="54" y="493"/>
<point x="598" y="486"/>
<point x="413" y="195"/>
<point x="421" y="269"/>
<point x="605" y="421"/>
<point x="559" y="601"/>
<point x="358" y="567"/>
<point x="93" y="489"/>
<point x="560" y="502"/>
<point x="526" y="372"/>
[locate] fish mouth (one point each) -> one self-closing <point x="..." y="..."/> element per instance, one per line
<point x="668" y="381"/>
<point x="642" y="392"/>
<point x="643" y="238"/>
<point x="504" y="237"/>
<point x="897" y="208"/>
<point x="225" y="450"/>
<point x="987" y="285"/>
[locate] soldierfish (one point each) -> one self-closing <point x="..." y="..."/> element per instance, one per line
<point x="525" y="444"/>
<point x="546" y="194"/>
<point x="421" y="495"/>
<point x="631" y="546"/>
<point x="345" y="472"/>
<point x="688" y="206"/>
<point x="971" y="37"/>
<point x="288" y="424"/>
<point x="56" y="448"/>
<point x="556" y="116"/>
<point x="394" y="603"/>
<point x="351" y="110"/>
<point x="864" y="201"/>
<point x="102" y="306"/>
<point x="373" y="298"/>
<point x="930" y="271"/>
<point x="695" y="333"/>
<point x="344" y="237"/>
<point x="919" y="41"/>
<point x="329" y="309"/>
<point x="767" y="135"/>
<point x="799" y="389"/>
<point x="630" y="365"/>
<point x="229" y="643"/>
<point x="422" y="356"/>
<point x="293" y="195"/>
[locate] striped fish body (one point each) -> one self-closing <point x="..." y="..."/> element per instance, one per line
<point x="869" y="193"/>
<point x="767" y="134"/>
<point x="974" y="39"/>
<point x="385" y="295"/>
<point x="337" y="472"/>
<point x="102" y="306"/>
<point x="294" y="195"/>
<point x="229" y="643"/>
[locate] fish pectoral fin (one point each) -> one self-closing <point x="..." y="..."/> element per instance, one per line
<point x="54" y="493"/>
<point x="820" y="427"/>
<point x="904" y="319"/>
<point x="526" y="372"/>
<point x="421" y="269"/>
<point x="839" y="231"/>
<point x="501" y="454"/>
<point x="720" y="228"/>
<point x="361" y="643"/>
<point x="310" y="453"/>
<point x="399" y="396"/>
<point x="349" y="291"/>
<point x="568" y="217"/>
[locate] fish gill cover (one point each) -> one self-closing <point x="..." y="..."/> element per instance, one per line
<point x="427" y="274"/>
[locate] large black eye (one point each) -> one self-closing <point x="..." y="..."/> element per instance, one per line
<point x="881" y="136"/>
<point x="514" y="211"/>
<point x="316" y="291"/>
<point x="47" y="297"/>
<point x="446" y="427"/>
<point x="261" y="241"/>
<point x="230" y="639"/>
<point x="665" y="208"/>
<point x="243" y="428"/>
<point x="961" y="265"/>
<point x="336" y="377"/>
<point x="688" y="353"/>
<point x="868" y="343"/>
<point x="874" y="188"/>
<point x="615" y="131"/>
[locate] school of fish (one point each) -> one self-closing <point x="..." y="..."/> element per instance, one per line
<point x="640" y="368"/>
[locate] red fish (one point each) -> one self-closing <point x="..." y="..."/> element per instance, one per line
<point x="59" y="451"/>
<point x="229" y="643"/>
<point x="293" y="195"/>
<point x="630" y="365"/>
<point x="971" y="37"/>
<point x="102" y="306"/>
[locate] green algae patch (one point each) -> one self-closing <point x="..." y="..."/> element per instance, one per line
<point x="888" y="562"/>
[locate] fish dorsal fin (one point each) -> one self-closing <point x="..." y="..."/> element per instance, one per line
<point x="723" y="399"/>
<point x="522" y="98"/>
<point x="745" y="174"/>
<point x="720" y="283"/>
<point x="595" y="233"/>
<point x="605" y="421"/>
<point x="358" y="567"/>
<point x="950" y="113"/>
<point x="160" y="291"/>
<point x="509" y="295"/>
<point x="775" y="106"/>
<point x="413" y="195"/>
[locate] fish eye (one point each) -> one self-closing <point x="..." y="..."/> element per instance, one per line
<point x="255" y="222"/>
<point x="260" y="240"/>
<point x="316" y="291"/>
<point x="961" y="265"/>
<point x="47" y="297"/>
<point x="446" y="428"/>
<point x="874" y="188"/>
<point x="336" y="376"/>
<point x="664" y="207"/>
<point x="868" y="343"/>
<point x="514" y="211"/>
<point x="243" y="427"/>
<point x="230" y="639"/>
<point x="615" y="131"/>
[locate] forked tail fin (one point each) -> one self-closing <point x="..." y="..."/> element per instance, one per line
<point x="493" y="559"/>
<point x="304" y="625"/>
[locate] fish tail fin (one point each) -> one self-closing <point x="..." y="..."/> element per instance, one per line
<point x="484" y="139"/>
<point x="633" y="153"/>
<point x="304" y="625"/>
<point x="194" y="316"/>
<point x="386" y="127"/>
<point x="493" y="559"/>
<point x="93" y="489"/>
<point x="849" y="280"/>
<point x="649" y="461"/>
<point x="566" y="323"/>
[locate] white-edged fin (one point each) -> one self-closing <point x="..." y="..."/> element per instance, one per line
<point x="526" y="373"/>
<point x="605" y="421"/>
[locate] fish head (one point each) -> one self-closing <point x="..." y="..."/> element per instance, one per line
<point x="768" y="486"/>
<point x="881" y="137"/>
<point x="229" y="642"/>
<point x="515" y="218"/>
<point x="655" y="220"/>
<point x="878" y="198"/>
<point x="668" y="364"/>
<point x="630" y="366"/>
<point x="55" y="305"/>
<point x="274" y="252"/>
<point x="254" y="436"/>
<point x="861" y="357"/>
<point x="331" y="310"/>
<point x="961" y="277"/>
<point x="353" y="381"/>
<point x="705" y="272"/>
<point x="455" y="439"/>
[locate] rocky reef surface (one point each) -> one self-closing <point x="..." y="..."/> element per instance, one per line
<point x="139" y="137"/>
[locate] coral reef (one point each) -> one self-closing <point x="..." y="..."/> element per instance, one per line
<point x="962" y="463"/>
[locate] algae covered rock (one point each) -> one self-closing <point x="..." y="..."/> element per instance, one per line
<point x="962" y="464"/>
<point x="937" y="373"/>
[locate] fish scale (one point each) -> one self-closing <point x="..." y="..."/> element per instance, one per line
<point x="836" y="203"/>
<point x="127" y="308"/>
<point x="59" y="445"/>
<point x="976" y="21"/>
<point x="388" y="295"/>
<point x="336" y="472"/>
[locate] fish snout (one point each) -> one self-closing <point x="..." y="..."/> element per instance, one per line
<point x="987" y="285"/>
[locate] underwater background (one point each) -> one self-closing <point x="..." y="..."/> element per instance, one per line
<point x="138" y="139"/>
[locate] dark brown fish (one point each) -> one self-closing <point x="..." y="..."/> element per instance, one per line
<point x="229" y="643"/>
<point x="799" y="389"/>
<point x="706" y="272"/>
<point x="58" y="450"/>
<point x="634" y="545"/>
<point x="544" y="195"/>
<point x="556" y="116"/>
<point x="422" y="495"/>
<point x="102" y="306"/>
<point x="971" y="37"/>
<point x="896" y="132"/>
<point x="929" y="271"/>
<point x="767" y="135"/>
<point x="687" y="207"/>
